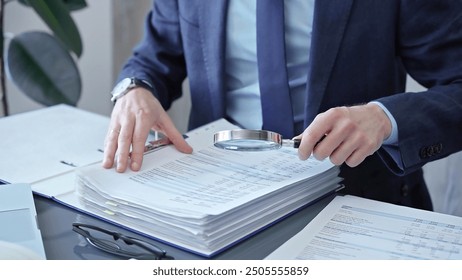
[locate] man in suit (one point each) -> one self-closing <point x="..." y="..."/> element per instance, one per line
<point x="342" y="80"/>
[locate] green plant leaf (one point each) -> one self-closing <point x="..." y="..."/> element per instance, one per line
<point x="43" y="69"/>
<point x="24" y="2"/>
<point x="72" y="5"/>
<point x="57" y="16"/>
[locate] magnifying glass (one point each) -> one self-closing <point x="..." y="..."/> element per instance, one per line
<point x="252" y="140"/>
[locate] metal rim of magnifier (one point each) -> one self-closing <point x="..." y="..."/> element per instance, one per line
<point x="251" y="140"/>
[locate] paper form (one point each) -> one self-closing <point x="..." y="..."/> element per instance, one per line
<point x="356" y="228"/>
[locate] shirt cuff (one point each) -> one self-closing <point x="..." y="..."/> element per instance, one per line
<point x="390" y="145"/>
<point x="393" y="138"/>
<point x="395" y="155"/>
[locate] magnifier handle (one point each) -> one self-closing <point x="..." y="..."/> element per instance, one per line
<point x="294" y="143"/>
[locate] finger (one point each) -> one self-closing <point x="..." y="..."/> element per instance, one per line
<point x="342" y="130"/>
<point x="365" y="148"/>
<point x="140" y="134"/>
<point x="312" y="136"/>
<point x="354" y="150"/>
<point x="123" y="145"/>
<point x="343" y="151"/>
<point x="357" y="157"/>
<point x="110" y="146"/>
<point x="327" y="145"/>
<point x="330" y="143"/>
<point x="169" y="129"/>
<point x="307" y="144"/>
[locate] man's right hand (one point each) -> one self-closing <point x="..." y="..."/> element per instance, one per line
<point x="133" y="116"/>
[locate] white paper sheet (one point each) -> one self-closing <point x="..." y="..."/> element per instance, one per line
<point x="356" y="228"/>
<point x="37" y="145"/>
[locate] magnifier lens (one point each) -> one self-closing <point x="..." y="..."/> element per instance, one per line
<point x="247" y="140"/>
<point x="252" y="140"/>
<point x="247" y="145"/>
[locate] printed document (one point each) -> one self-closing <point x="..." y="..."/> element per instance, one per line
<point x="351" y="227"/>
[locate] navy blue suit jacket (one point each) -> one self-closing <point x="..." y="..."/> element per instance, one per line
<point x="361" y="51"/>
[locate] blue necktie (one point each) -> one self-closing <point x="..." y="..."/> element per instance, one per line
<point x="272" y="72"/>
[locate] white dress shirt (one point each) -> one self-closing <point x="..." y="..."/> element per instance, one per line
<point x="243" y="92"/>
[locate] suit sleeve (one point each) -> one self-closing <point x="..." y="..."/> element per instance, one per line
<point x="430" y="49"/>
<point x="159" y="57"/>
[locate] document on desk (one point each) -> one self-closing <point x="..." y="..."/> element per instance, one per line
<point x="351" y="227"/>
<point x="49" y="142"/>
<point x="207" y="200"/>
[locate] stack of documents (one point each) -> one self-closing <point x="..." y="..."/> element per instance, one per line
<point x="206" y="201"/>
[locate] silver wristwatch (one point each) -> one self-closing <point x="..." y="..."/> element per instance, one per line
<point x="125" y="85"/>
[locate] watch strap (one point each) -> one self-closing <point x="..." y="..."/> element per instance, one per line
<point x="142" y="83"/>
<point x="134" y="83"/>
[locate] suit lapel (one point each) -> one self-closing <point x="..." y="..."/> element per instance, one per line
<point x="212" y="22"/>
<point x="329" y="23"/>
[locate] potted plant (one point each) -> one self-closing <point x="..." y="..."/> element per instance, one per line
<point x="40" y="64"/>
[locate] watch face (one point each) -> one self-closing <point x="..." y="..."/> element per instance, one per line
<point x="122" y="86"/>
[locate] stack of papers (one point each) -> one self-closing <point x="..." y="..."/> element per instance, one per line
<point x="206" y="201"/>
